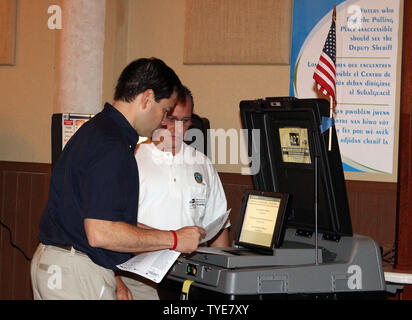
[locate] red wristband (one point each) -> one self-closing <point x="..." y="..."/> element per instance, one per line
<point x="175" y="240"/>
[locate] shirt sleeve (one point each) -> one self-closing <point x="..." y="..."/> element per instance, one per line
<point x="104" y="188"/>
<point x="216" y="202"/>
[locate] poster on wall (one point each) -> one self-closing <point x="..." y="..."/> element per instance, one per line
<point x="366" y="74"/>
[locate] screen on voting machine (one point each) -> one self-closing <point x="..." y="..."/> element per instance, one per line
<point x="261" y="220"/>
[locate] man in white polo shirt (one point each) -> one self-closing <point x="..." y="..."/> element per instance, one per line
<point x="178" y="187"/>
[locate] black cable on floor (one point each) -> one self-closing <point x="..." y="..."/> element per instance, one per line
<point x="12" y="243"/>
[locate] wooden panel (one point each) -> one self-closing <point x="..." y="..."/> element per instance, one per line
<point x="404" y="214"/>
<point x="23" y="196"/>
<point x="406" y="293"/>
<point x="373" y="210"/>
<point x="234" y="185"/>
<point x="8" y="9"/>
<point x="237" y="32"/>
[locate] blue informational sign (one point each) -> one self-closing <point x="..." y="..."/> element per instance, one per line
<point x="366" y="74"/>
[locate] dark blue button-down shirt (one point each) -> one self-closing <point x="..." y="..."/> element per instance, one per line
<point x="96" y="177"/>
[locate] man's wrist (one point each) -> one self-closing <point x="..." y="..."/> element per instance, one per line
<point x="174" y="240"/>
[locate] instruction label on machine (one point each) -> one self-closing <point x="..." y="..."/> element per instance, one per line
<point x="295" y="145"/>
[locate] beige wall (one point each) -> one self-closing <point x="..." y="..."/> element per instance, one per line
<point x="116" y="44"/>
<point x="27" y="89"/>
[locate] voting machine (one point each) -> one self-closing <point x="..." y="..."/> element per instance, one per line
<point x="293" y="238"/>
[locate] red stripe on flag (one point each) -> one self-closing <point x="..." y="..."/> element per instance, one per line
<point x="331" y="67"/>
<point x="324" y="85"/>
<point x="326" y="74"/>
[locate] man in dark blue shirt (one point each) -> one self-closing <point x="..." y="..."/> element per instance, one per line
<point x="89" y="224"/>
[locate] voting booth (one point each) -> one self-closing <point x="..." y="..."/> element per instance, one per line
<point x="293" y="238"/>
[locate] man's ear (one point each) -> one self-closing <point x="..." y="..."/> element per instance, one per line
<point x="147" y="98"/>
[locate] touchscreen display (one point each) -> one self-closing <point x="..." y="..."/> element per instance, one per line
<point x="259" y="220"/>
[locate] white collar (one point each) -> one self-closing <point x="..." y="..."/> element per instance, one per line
<point x="167" y="154"/>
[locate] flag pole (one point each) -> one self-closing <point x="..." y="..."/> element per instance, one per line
<point x="330" y="97"/>
<point x="330" y="128"/>
<point x="325" y="74"/>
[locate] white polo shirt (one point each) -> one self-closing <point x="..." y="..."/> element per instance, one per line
<point x="178" y="191"/>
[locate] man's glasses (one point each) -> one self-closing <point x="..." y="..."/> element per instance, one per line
<point x="172" y="119"/>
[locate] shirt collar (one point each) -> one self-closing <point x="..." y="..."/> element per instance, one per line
<point x="166" y="154"/>
<point x="128" y="131"/>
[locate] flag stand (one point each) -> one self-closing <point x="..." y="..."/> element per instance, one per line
<point x="316" y="209"/>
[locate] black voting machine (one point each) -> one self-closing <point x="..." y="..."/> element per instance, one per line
<point x="291" y="167"/>
<point x="320" y="257"/>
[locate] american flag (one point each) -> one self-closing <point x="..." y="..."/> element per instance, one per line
<point x="325" y="73"/>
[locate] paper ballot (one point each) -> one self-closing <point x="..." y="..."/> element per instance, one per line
<point x="215" y="226"/>
<point x="154" y="265"/>
<point x="151" y="265"/>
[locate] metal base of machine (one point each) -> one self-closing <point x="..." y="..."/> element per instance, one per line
<point x="171" y="290"/>
<point x="349" y="268"/>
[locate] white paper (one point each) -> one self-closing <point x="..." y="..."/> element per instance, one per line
<point x="154" y="265"/>
<point x="215" y="226"/>
<point x="151" y="265"/>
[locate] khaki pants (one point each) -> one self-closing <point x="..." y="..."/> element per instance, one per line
<point x="141" y="288"/>
<point x="61" y="274"/>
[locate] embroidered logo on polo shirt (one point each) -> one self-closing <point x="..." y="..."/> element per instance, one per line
<point x="197" y="202"/>
<point x="198" y="177"/>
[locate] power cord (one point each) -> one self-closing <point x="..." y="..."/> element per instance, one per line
<point x="389" y="256"/>
<point x="12" y="243"/>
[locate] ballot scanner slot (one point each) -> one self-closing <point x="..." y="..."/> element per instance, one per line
<point x="241" y="252"/>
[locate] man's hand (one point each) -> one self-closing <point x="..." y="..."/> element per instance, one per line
<point x="122" y="291"/>
<point x="188" y="238"/>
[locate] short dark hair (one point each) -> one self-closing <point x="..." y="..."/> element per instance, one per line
<point x="147" y="73"/>
<point x="186" y="93"/>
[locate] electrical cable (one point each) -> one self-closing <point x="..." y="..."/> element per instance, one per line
<point x="389" y="256"/>
<point x="12" y="243"/>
